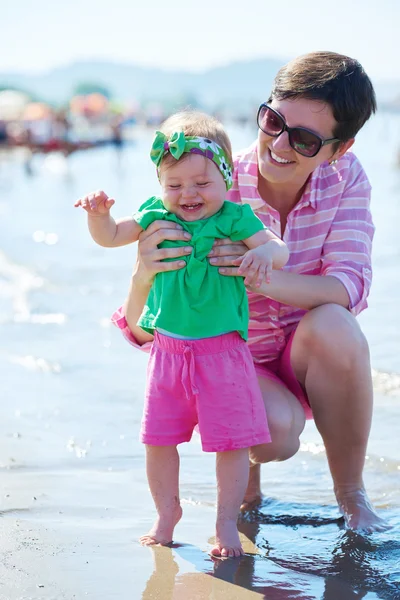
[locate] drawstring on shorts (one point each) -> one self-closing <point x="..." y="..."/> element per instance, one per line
<point x="188" y="373"/>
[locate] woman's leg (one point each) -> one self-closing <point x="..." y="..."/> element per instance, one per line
<point x="330" y="358"/>
<point x="232" y="477"/>
<point x="286" y="422"/>
<point x="162" y="465"/>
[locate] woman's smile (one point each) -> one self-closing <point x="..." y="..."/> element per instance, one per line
<point x="279" y="159"/>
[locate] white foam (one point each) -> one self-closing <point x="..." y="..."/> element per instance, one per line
<point x="386" y="383"/>
<point x="15" y="284"/>
<point x="33" y="363"/>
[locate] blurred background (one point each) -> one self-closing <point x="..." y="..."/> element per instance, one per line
<point x="83" y="85"/>
<point x="80" y="75"/>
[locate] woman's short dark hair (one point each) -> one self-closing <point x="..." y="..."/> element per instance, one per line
<point x="338" y="80"/>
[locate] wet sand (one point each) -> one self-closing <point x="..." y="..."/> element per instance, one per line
<point x="73" y="535"/>
<point x="70" y="525"/>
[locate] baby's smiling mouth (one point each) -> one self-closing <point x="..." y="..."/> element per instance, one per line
<point x="192" y="206"/>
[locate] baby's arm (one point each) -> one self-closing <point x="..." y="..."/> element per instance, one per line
<point x="266" y="252"/>
<point x="103" y="228"/>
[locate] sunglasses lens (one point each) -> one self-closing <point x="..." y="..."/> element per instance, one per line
<point x="305" y="142"/>
<point x="302" y="141"/>
<point x="270" y="122"/>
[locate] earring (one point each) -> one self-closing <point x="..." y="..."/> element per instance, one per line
<point x="333" y="162"/>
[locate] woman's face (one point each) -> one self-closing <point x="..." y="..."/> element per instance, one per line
<point x="278" y="163"/>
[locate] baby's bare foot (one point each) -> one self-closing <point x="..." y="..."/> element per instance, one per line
<point x="163" y="529"/>
<point x="358" y="512"/>
<point x="227" y="543"/>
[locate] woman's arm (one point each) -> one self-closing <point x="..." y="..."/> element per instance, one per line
<point x="149" y="263"/>
<point x="301" y="291"/>
<point x="133" y="307"/>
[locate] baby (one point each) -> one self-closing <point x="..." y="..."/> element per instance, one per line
<point x="200" y="370"/>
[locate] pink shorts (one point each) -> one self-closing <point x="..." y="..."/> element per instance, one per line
<point x="210" y="382"/>
<point x="281" y="370"/>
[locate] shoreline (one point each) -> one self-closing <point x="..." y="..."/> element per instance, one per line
<point x="70" y="529"/>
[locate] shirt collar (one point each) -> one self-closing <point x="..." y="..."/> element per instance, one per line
<point x="250" y="195"/>
<point x="309" y="197"/>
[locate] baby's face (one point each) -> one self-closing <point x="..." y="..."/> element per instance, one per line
<point x="193" y="188"/>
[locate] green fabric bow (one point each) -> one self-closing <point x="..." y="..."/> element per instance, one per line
<point x="178" y="143"/>
<point x="175" y="145"/>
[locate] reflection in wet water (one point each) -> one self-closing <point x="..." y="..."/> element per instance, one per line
<point x="351" y="565"/>
<point x="286" y="558"/>
<point x="161" y="583"/>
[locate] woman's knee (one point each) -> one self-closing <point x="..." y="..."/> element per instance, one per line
<point x="286" y="421"/>
<point x="285" y="426"/>
<point x="278" y="450"/>
<point x="330" y="332"/>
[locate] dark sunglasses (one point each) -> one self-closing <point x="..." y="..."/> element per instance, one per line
<point x="305" y="142"/>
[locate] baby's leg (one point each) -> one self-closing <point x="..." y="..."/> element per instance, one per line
<point x="232" y="478"/>
<point x="162" y="464"/>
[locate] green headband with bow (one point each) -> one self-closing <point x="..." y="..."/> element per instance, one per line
<point x="177" y="144"/>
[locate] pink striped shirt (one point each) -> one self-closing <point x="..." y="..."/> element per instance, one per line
<point x="328" y="232"/>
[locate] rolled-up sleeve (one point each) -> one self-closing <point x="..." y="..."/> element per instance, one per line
<point x="118" y="319"/>
<point x="347" y="249"/>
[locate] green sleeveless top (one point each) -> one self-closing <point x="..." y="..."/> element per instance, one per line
<point x="197" y="301"/>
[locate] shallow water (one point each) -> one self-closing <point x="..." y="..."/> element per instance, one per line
<point x="72" y="391"/>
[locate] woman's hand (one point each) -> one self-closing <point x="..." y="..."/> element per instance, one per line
<point x="148" y="264"/>
<point x="150" y="257"/>
<point x="224" y="253"/>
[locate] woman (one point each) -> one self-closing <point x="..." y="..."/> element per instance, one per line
<point x="311" y="356"/>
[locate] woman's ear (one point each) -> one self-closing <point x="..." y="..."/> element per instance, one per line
<point x="344" y="146"/>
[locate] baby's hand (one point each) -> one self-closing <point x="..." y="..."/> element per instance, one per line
<point x="256" y="266"/>
<point x="96" y="204"/>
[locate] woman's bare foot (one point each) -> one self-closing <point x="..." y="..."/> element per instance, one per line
<point x="227" y="544"/>
<point x="358" y="512"/>
<point x="253" y="496"/>
<point x="163" y="529"/>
